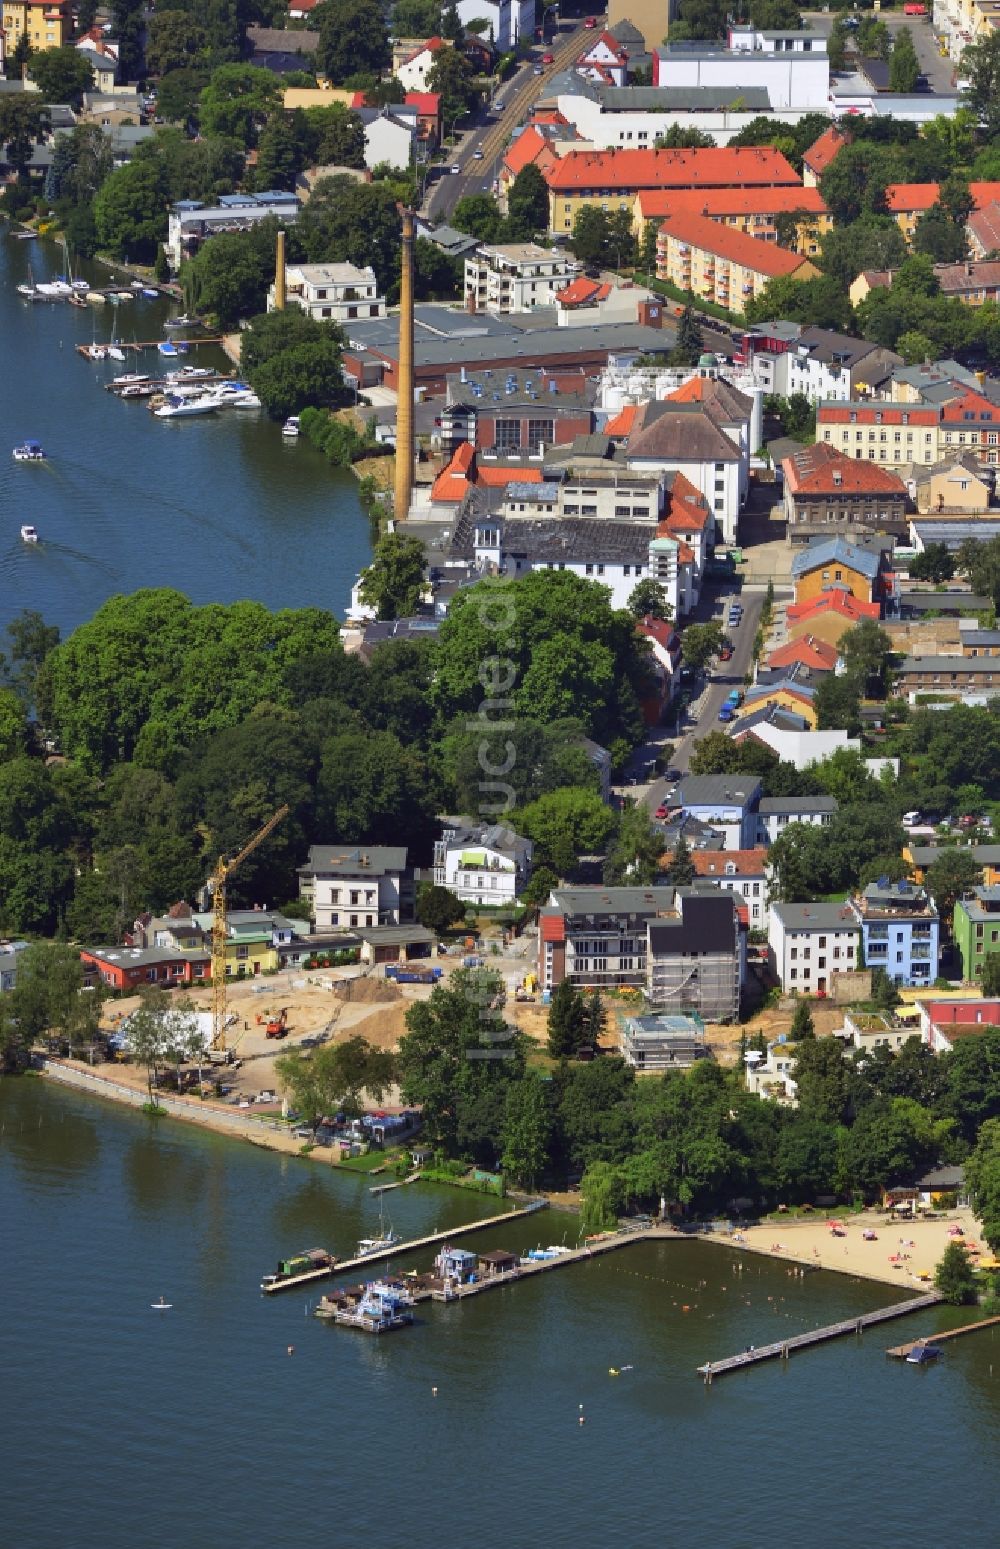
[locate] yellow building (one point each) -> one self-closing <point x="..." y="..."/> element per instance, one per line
<point x="43" y="23"/>
<point x="754" y="211"/>
<point x="836" y="565"/>
<point x="787" y="696"/>
<point x="720" y="264"/>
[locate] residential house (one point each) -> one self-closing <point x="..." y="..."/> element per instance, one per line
<point x="807" y="652"/>
<point x="909" y="201"/>
<point x="728" y="802"/>
<point x="982" y="227"/>
<point x="820" y="154"/>
<point x="987" y="856"/>
<point x="795" y="745"/>
<point x="45" y="23"/>
<point x="134" y="968"/>
<point x="663" y="1042"/>
<point x="976" y="929"/>
<point x="809" y="944"/>
<point x="881" y="432"/>
<point x="190" y="222"/>
<point x="413" y="71"/>
<point x="770" y="1075"/>
<point x="665" y="649"/>
<point x="948" y="677"/>
<point x="688" y="438"/>
<point x="605" y="60"/>
<point x="816" y="362"/>
<point x="612" y="179"/>
<point x="743" y="872"/>
<point x="509" y="20"/>
<point x="899" y="930"/>
<point x="869" y="1030"/>
<point x="721" y="264"/>
<point x="683" y="946"/>
<point x="944" y="1022"/>
<point x="785" y="690"/>
<point x="104" y="67"/>
<point x="10" y="951"/>
<point x="754" y="211"/>
<point x="836" y="564"/>
<point x="486" y="864"/>
<point x="457" y="244"/>
<point x="531" y="147"/>
<point x="338" y="292"/>
<point x="977" y="642"/>
<point x="283" y="50"/>
<point x="732" y="411"/>
<point x="775" y="813"/>
<point x="825" y="488"/>
<point x="357" y="885"/>
<point x="516" y="277"/>
<point x="956" y="485"/>
<point x="391" y="134"/>
<point x="828" y="615"/>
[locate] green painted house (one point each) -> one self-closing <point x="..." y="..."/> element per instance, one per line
<point x="976" y="929"/>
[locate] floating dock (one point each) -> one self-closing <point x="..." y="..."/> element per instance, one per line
<point x="900" y="1352"/>
<point x="83" y="350"/>
<point x="817" y="1336"/>
<point x="344" y="1265"/>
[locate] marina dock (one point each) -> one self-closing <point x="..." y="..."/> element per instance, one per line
<point x="345" y="1265"/>
<point x="83" y="350"/>
<point x="818" y="1336"/>
<point x="900" y="1352"/>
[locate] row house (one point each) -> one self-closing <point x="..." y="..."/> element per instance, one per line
<point x="888" y="433"/>
<point x="754" y="211"/>
<point x="948" y="677"/>
<point x="819" y="363"/>
<point x="743" y="872"/>
<point x="825" y="488"/>
<point x="861" y="570"/>
<point x="721" y="264"/>
<point x="976" y="929"/>
<point x="899" y="930"/>
<point x="909" y="201"/>
<point x="808" y="944"/>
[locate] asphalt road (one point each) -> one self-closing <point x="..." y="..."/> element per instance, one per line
<point x="702" y="715"/>
<point x="491" y="135"/>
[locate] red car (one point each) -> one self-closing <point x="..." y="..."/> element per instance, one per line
<point x="591" y="22"/>
<point x="661" y="810"/>
<point x="725" y="653"/>
<point x="913" y="9"/>
<point x="548" y="59"/>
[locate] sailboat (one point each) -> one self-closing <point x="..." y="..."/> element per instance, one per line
<point x="114" y="351"/>
<point x="385" y="1239"/>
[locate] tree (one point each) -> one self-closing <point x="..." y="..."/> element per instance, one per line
<point x="822" y="1076"/>
<point x="855" y="181"/>
<point x="438" y="908"/>
<point x="148" y="1033"/>
<point x="238" y="101"/>
<point x="565" y="1023"/>
<point x="293" y="361"/>
<point x="18" y="57"/>
<point x="350" y="222"/>
<point x="338" y="136"/>
<point x="228" y="278"/>
<point x="874" y="39"/>
<point x="452" y="26"/>
<point x="982" y="1177"/>
<point x="954" y="1277"/>
<point x="690" y="340"/>
<point x="47" y="997"/>
<point x="527" y="1130"/>
<point x="437" y="276"/>
<point x="527" y="205"/>
<point x="802" y="1023"/>
<point x="981" y="563"/>
<point x="602" y="1188"/>
<point x="178" y="95"/>
<point x="130" y="210"/>
<point x="934" y="563"/>
<point x="648" y="600"/>
<point x="336" y="1077"/>
<point x="904" y="66"/>
<point x="699" y="643"/>
<point x="565" y="824"/>
<point x="281" y="155"/>
<point x="951" y="874"/>
<point x="61" y="75"/>
<point x="681" y="869"/>
<point x="838" y="704"/>
<point x="870" y="242"/>
<point x="415" y="18"/>
<point x="634" y="857"/>
<point x="589" y="236"/>
<point x="23" y="121"/>
<point x="937" y="235"/>
<point x="454" y="79"/>
<point x="174" y="39"/>
<point x="29" y="642"/>
<point x="914" y="347"/>
<point x="865" y="651"/>
<point x="353" y="39"/>
<point x="478" y="215"/>
<point x="989" y="981"/>
<point x="677" y="138"/>
<point x="980" y="67"/>
<point x="394" y="581"/>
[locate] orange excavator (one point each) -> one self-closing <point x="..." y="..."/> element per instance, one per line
<point x="277" y="1027"/>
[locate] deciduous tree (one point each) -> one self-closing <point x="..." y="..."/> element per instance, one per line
<point x="394" y="581"/>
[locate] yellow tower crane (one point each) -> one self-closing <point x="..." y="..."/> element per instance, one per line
<point x="217" y="882"/>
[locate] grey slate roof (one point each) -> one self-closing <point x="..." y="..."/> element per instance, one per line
<point x="816" y="916"/>
<point x="797" y="804"/>
<point x="382" y="859"/>
<point x="950" y="664"/>
<point x="717" y="790"/>
<point x="836" y="551"/>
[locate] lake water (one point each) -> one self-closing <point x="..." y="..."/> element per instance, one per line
<point x="221" y="507"/>
<point x="122" y="1426"/>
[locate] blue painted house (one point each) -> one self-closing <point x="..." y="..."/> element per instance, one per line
<point x="900" y="930"/>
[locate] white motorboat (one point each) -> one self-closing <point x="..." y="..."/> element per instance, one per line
<point x="26" y="290"/>
<point x="95" y="298"/>
<point x="190" y="374"/>
<point x="180" y="322"/>
<point x="183" y="408"/>
<point x="96" y="352"/>
<point x="235" y="395"/>
<point x="83" y="285"/>
<point x="129" y="379"/>
<point x="29" y="452"/>
<point x="290" y="429"/>
<point x="29" y="534"/>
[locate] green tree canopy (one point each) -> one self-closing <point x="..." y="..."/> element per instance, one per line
<point x="564" y="825"/>
<point x="174" y="41"/>
<point x="130" y="209"/>
<point x="61" y="74"/>
<point x="527" y="205"/>
<point x="353" y="38"/>
<point x="394" y="581"/>
<point x="238" y="101"/>
<point x="293" y="361"/>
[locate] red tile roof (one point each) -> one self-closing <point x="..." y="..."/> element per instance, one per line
<point x="834" y="601"/>
<point x="821" y="470"/>
<point x="657" y="203"/>
<point x="582" y="292"/>
<point x="552" y="927"/>
<point x="911" y="198"/>
<point x="960" y="279"/>
<point x="529" y="147"/>
<point x="453" y="483"/>
<point x="984" y="226"/>
<point x="659" y="630"/>
<point x="864" y="414"/>
<point x="822" y="151"/>
<point x="717" y="167"/>
<point x="548" y="116"/>
<point x="424" y="101"/>
<point x="621" y="425"/>
<point x="807" y="650"/>
<point x="957" y="410"/>
<point x="740" y="248"/>
<point x="496" y="478"/>
<point x="715" y="863"/>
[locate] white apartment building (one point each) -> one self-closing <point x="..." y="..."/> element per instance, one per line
<point x="791" y="67"/>
<point x="335" y="292"/>
<point x="357" y="885"/>
<point x="809" y="943"/>
<point x="190" y="222"/>
<point x="482" y="863"/>
<point x="775" y="813"/>
<point x="516" y="277"/>
<point x="508" y="19"/>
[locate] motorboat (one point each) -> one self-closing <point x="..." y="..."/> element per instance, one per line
<point x="26" y="290"/>
<point x="115" y="353"/>
<point x="235" y="395"/>
<point x="180" y="322"/>
<point x="183" y="408"/>
<point x="129" y="379"/>
<point x="96" y="351"/>
<point x="29" y="452"/>
<point x="139" y="390"/>
<point x="168" y="347"/>
<point x="95" y="298"/>
<point x="83" y="285"/>
<point x="148" y="291"/>
<point x="290" y="429"/>
<point x="29" y="534"/>
<point x="923" y="1355"/>
<point x="190" y="374"/>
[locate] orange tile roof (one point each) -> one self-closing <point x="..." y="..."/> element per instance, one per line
<point x="712" y="167"/>
<point x="582" y="292"/>
<point x="496" y="478"/>
<point x="685" y="554"/>
<point x="808" y="651"/>
<point x="453" y="483"/>
<point x="822" y="151"/>
<point x="657" y="203"/>
<point x="714" y="863"/>
<point x="821" y="469"/>
<point x="548" y="116"/>
<point x="423" y="101"/>
<point x="864" y="414"/>
<point x="740" y="248"/>
<point x="909" y="198"/>
<point x="530" y="146"/>
<point x="621" y="425"/>
<point x="834" y="601"/>
<point x="970" y="403"/>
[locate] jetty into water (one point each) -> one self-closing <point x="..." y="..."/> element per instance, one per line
<point x="902" y="1351"/>
<point x="83" y="350"/>
<point x="783" y="1348"/>
<point x="342" y="1266"/>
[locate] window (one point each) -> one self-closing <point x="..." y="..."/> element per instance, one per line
<point x="540" y="433"/>
<point x="507" y="435"/>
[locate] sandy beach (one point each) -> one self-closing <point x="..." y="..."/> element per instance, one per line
<point x="812" y="1242"/>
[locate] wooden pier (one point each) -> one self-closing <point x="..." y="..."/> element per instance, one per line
<point x="83" y="350"/>
<point x="902" y="1351"/>
<point x="817" y="1336"/>
<point x="345" y="1265"/>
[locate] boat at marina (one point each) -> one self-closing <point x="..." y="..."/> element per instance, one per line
<point x="139" y="390"/>
<point x="29" y="452"/>
<point x="96" y="351"/>
<point x="235" y="395"/>
<point x="180" y="322"/>
<point x="29" y="534"/>
<point x="381" y="1307"/>
<point x="26" y="290"/>
<point x="177" y="408"/>
<point x="385" y="1239"/>
<point x="311" y="1261"/>
<point x="95" y="298"/>
<point x="290" y="429"/>
<point x="150" y="293"/>
<point x="128" y="379"/>
<point x="923" y="1355"/>
<point x="190" y="374"/>
<point x="169" y="347"/>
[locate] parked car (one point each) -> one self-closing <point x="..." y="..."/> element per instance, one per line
<point x="456" y="171"/>
<point x="911" y="819"/>
<point x="661" y="810"/>
<point x="726" y="653"/>
<point x="590" y="23"/>
<point x="673" y="774"/>
<point x="548" y="59"/>
<point x="726" y="713"/>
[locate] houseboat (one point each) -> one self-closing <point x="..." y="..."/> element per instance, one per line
<point x="311" y="1262"/>
<point x="29" y="452"/>
<point x="29" y="534"/>
<point x="382" y="1308"/>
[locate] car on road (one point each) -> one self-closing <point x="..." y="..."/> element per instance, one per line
<point x="477" y="155"/>
<point x="726" y="653"/>
<point x="539" y="70"/>
<point x="590" y="23"/>
<point x="456" y="171"/>
<point x="913" y="8"/>
<point x="661" y="810"/>
<point x="548" y="59"/>
<point x="727" y="713"/>
<point x="733" y="621"/>
<point x="673" y="774"/>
